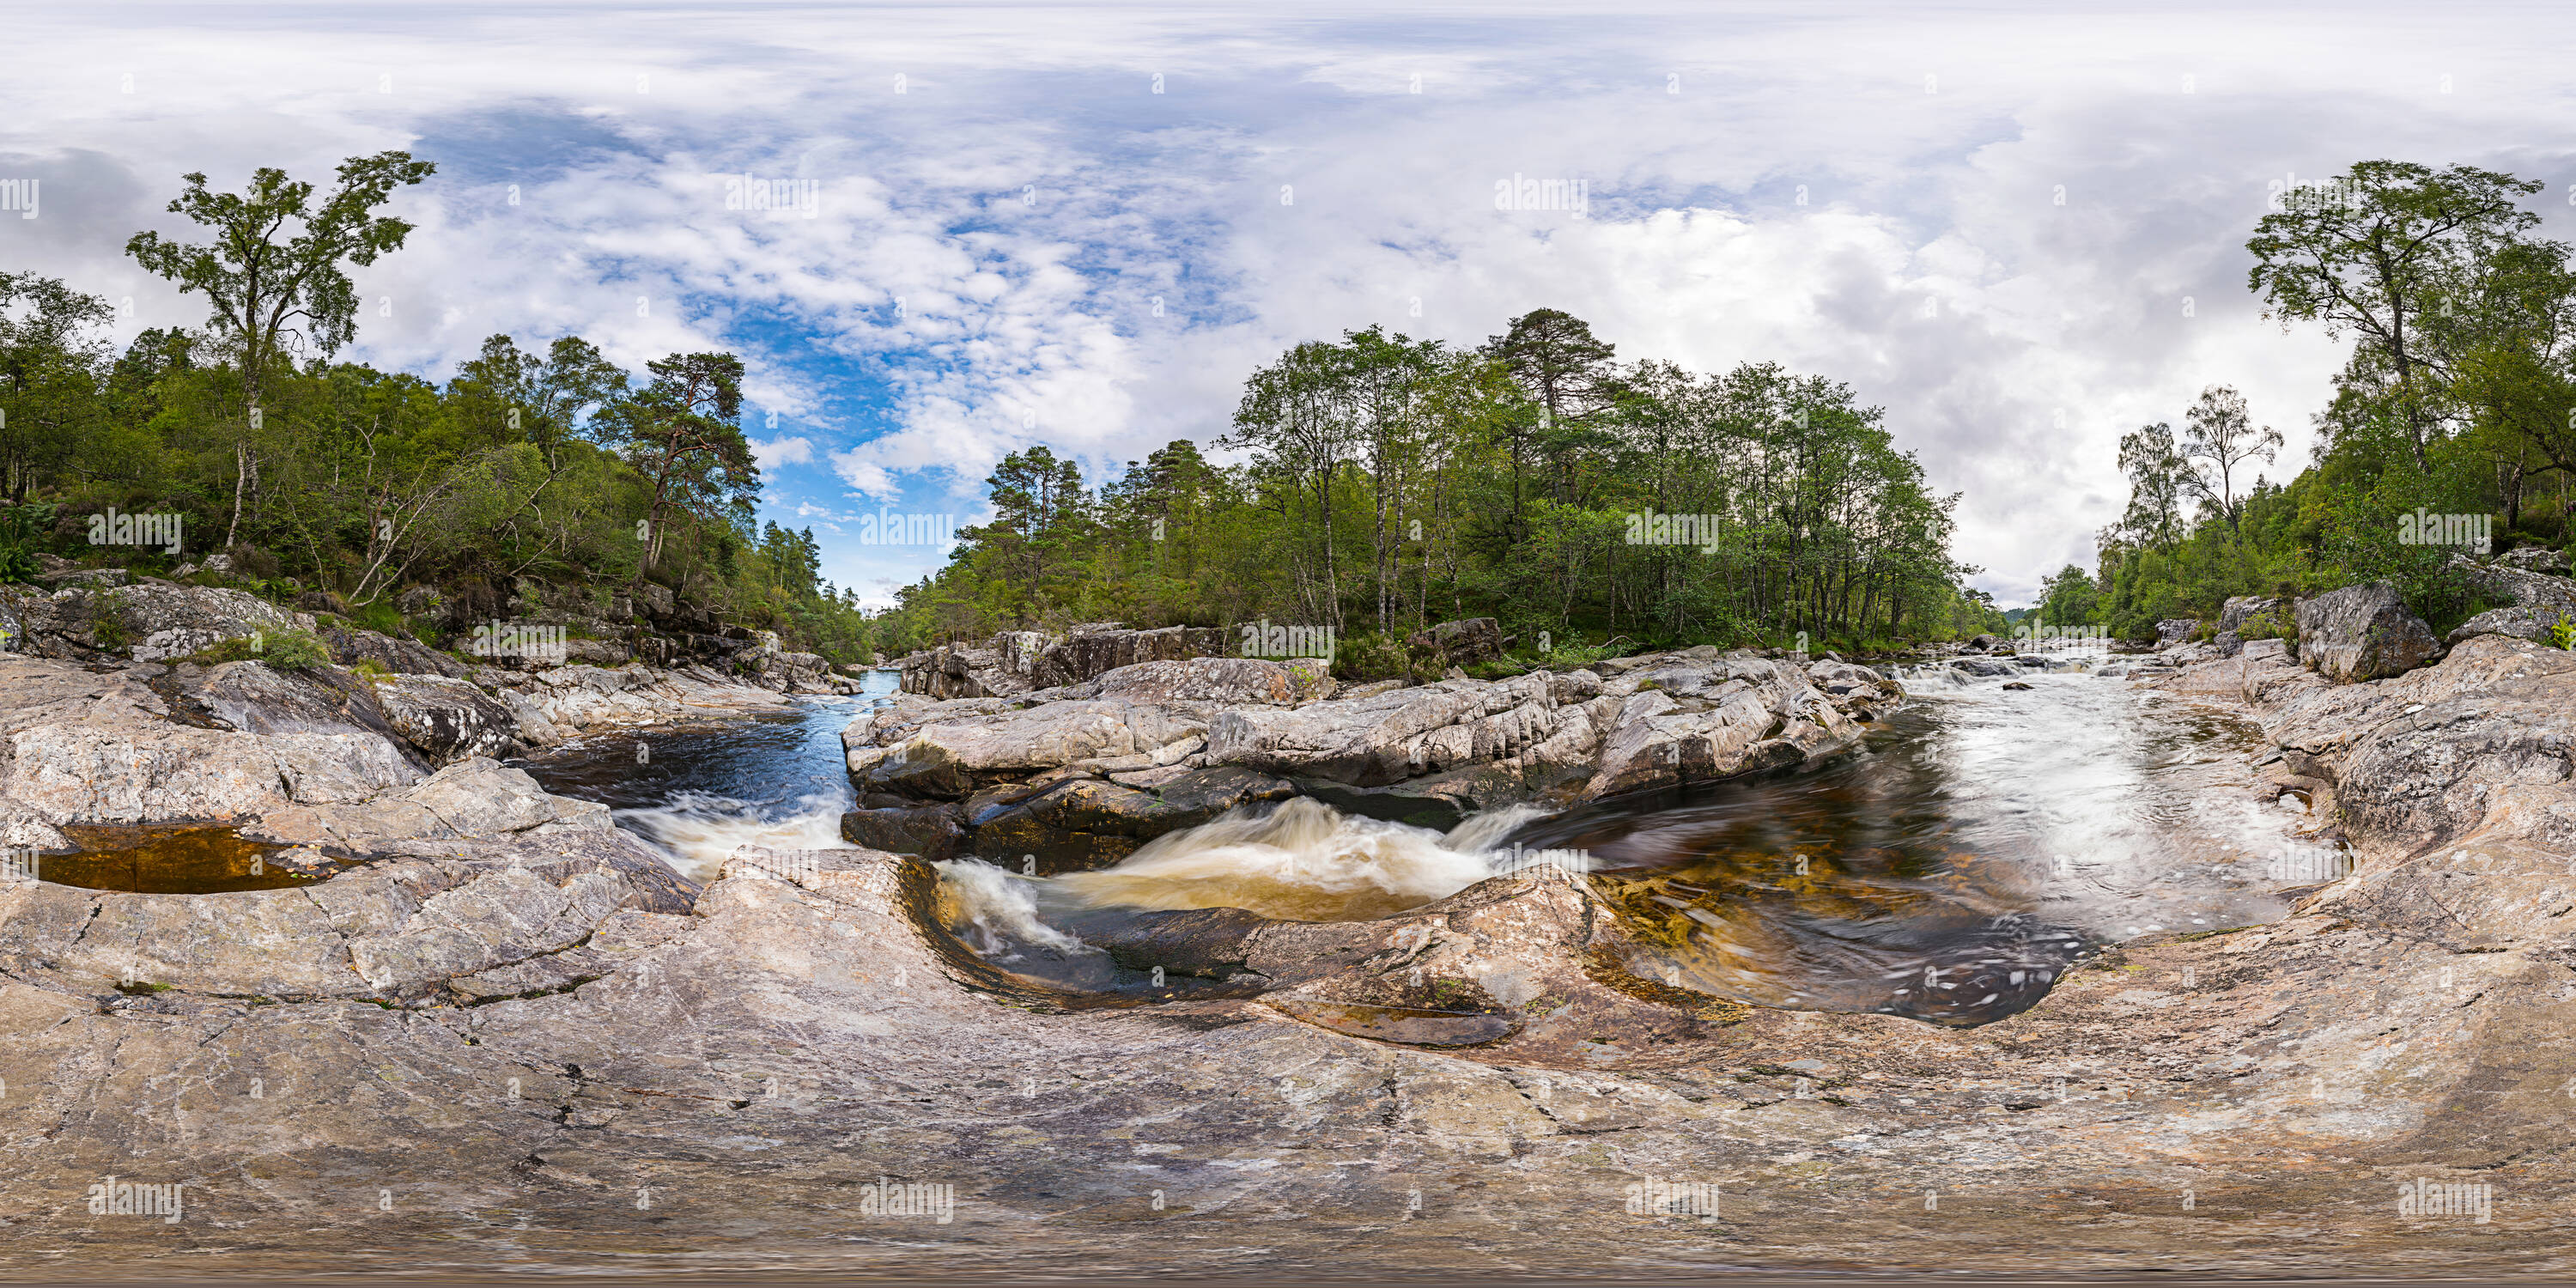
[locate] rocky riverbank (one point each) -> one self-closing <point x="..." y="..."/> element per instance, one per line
<point x="1081" y="774"/>
<point x="514" y="1052"/>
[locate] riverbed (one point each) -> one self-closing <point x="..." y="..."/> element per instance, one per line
<point x="1950" y="868"/>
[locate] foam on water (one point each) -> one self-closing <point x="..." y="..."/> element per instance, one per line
<point x="700" y="830"/>
<point x="1304" y="861"/>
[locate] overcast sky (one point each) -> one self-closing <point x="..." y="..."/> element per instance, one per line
<point x="2017" y="229"/>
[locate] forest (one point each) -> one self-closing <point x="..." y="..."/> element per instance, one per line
<point x="1374" y="484"/>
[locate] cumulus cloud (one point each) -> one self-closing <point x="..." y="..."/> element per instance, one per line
<point x="1084" y="229"/>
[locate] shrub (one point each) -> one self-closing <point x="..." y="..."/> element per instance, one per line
<point x="2270" y="624"/>
<point x="2562" y="635"/>
<point x="282" y="650"/>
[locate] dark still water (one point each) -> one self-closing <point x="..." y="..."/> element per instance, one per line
<point x="779" y="781"/>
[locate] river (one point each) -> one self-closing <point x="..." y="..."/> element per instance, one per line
<point x="1950" y="868"/>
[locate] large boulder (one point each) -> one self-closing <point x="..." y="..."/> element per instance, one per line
<point x="83" y="746"/>
<point x="2536" y="559"/>
<point x="351" y="645"/>
<point x="931" y="831"/>
<point x="152" y="620"/>
<point x="2520" y="621"/>
<point x="2174" y="630"/>
<point x="1224" y="681"/>
<point x="448" y="720"/>
<point x="2362" y="632"/>
<point x="1092" y="651"/>
<point x="951" y="758"/>
<point x="2517" y="586"/>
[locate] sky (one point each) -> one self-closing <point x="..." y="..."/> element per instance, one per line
<point x="2018" y="228"/>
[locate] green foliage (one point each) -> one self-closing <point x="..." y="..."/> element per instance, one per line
<point x="1393" y="483"/>
<point x="2563" y="634"/>
<point x="107" y="626"/>
<point x="284" y="650"/>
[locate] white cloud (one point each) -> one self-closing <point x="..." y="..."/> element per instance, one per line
<point x="769" y="454"/>
<point x="1800" y="199"/>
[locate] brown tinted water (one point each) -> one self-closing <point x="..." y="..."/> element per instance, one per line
<point x="167" y="860"/>
<point x="1950" y="869"/>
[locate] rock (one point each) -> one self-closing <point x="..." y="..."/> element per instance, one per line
<point x="930" y="831"/>
<point x="2362" y="633"/>
<point x="952" y="757"/>
<point x="1093" y="651"/>
<point x="1080" y="824"/>
<point x="2515" y="585"/>
<point x="161" y="619"/>
<point x="2018" y="686"/>
<point x="1224" y="681"/>
<point x="1462" y="643"/>
<point x="2535" y="559"/>
<point x="1394" y="735"/>
<point x="586" y="699"/>
<point x="1982" y="668"/>
<point x="350" y="645"/>
<point x="448" y="720"/>
<point x="83" y="747"/>
<point x="659" y="602"/>
<point x="322" y="601"/>
<point x="1984" y="643"/>
<point x="2175" y="630"/>
<point x="2519" y="621"/>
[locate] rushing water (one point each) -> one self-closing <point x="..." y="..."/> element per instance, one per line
<point x="699" y="793"/>
<point x="1950" y="868"/>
